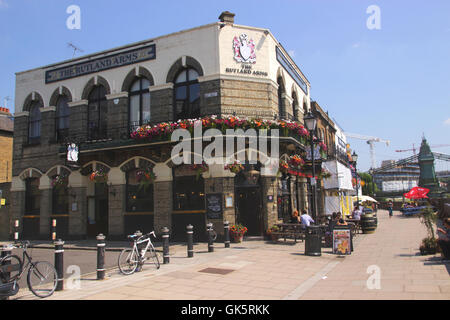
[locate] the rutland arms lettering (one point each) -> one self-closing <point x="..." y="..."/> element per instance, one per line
<point x="246" y="69"/>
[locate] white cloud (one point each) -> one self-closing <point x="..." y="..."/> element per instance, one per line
<point x="291" y="53"/>
<point x="447" y="122"/>
<point x="356" y="45"/>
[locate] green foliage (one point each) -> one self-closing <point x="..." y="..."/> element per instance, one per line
<point x="368" y="188"/>
<point x="428" y="218"/>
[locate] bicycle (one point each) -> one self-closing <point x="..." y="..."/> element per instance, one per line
<point x="42" y="277"/>
<point x="130" y="259"/>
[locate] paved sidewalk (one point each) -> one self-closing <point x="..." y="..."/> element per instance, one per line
<point x="256" y="270"/>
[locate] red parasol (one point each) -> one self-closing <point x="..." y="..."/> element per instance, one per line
<point x="417" y="193"/>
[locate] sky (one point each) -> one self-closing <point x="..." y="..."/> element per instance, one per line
<point x="392" y="82"/>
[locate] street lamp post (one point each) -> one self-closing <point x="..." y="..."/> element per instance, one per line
<point x="311" y="122"/>
<point x="354" y="159"/>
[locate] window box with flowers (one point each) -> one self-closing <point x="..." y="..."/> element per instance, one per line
<point x="237" y="232"/>
<point x="235" y="167"/>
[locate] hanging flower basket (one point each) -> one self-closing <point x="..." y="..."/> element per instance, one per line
<point x="98" y="176"/>
<point x="237" y="232"/>
<point x="199" y="169"/>
<point x="324" y="174"/>
<point x="236" y="167"/>
<point x="59" y="181"/>
<point x="145" y="177"/>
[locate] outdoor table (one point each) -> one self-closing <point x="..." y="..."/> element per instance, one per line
<point x="291" y="229"/>
<point x="356" y="222"/>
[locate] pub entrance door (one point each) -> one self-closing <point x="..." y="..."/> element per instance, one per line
<point x="98" y="210"/>
<point x="249" y="209"/>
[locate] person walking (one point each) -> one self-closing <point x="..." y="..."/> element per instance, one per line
<point x="390" y="208"/>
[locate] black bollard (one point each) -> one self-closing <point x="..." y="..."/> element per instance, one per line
<point x="6" y="250"/>
<point x="190" y="241"/>
<point x="16" y="230"/>
<point x="209" y="229"/>
<point x="53" y="229"/>
<point x="101" y="257"/>
<point x="165" y="237"/>
<point x="59" y="263"/>
<point x="226" y="233"/>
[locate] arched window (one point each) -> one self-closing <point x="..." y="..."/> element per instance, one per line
<point x="62" y="118"/>
<point x="97" y="113"/>
<point x="34" y="125"/>
<point x="139" y="100"/>
<point x="281" y="111"/>
<point x="305" y="108"/>
<point x="187" y="95"/>
<point x="295" y="106"/>
<point x="60" y="194"/>
<point x="139" y="191"/>
<point x="32" y="196"/>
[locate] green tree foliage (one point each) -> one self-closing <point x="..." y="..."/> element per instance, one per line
<point x="368" y="188"/>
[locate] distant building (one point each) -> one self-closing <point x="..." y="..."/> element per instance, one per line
<point x="397" y="179"/>
<point x="6" y="145"/>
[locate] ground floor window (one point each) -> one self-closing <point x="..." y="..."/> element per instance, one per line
<point x="188" y="193"/>
<point x="139" y="191"/>
<point x="60" y="195"/>
<point x="32" y="196"/>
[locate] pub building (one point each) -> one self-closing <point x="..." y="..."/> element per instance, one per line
<point x="78" y="159"/>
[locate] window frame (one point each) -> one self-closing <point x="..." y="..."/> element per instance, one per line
<point x="141" y="93"/>
<point x="187" y="83"/>
<point x="127" y="190"/>
<point x="176" y="183"/>
<point x="32" y="197"/>
<point x="62" y="133"/>
<point x="32" y="122"/>
<point x="98" y="100"/>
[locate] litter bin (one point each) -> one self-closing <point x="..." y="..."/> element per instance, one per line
<point x="313" y="241"/>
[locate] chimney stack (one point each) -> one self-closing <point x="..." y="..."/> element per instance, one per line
<point x="227" y="17"/>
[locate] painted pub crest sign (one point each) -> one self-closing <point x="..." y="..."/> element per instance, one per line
<point x="244" y="49"/>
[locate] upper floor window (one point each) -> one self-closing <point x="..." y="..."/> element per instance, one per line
<point x="187" y="95"/>
<point x="97" y="113"/>
<point x="34" y="126"/>
<point x="62" y="118"/>
<point x="295" y="106"/>
<point x="139" y="97"/>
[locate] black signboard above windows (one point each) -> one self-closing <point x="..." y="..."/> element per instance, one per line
<point x="291" y="70"/>
<point x="101" y="64"/>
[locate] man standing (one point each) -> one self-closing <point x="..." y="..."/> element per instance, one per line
<point x="306" y="219"/>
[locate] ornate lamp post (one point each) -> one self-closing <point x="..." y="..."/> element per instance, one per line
<point x="354" y="160"/>
<point x="310" y="123"/>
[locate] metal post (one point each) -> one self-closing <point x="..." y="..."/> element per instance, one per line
<point x="53" y="229"/>
<point x="313" y="187"/>
<point x="226" y="233"/>
<point x="209" y="230"/>
<point x="165" y="237"/>
<point x="59" y="263"/>
<point x="6" y="250"/>
<point x="101" y="256"/>
<point x="190" y="241"/>
<point x="16" y="230"/>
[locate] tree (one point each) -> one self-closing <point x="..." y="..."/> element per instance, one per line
<point x="368" y="187"/>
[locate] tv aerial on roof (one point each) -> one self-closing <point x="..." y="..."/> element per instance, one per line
<point x="74" y="47"/>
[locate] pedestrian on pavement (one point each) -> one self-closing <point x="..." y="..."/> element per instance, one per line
<point x="390" y="208"/>
<point x="356" y="214"/>
<point x="295" y="217"/>
<point x="306" y="219"/>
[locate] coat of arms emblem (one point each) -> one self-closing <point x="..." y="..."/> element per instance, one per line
<point x="72" y="152"/>
<point x="244" y="49"/>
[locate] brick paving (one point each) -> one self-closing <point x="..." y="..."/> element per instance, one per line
<point x="264" y="270"/>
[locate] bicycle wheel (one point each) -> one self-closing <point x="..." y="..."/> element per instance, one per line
<point x="42" y="279"/>
<point x="128" y="261"/>
<point x="152" y="256"/>
<point x="10" y="264"/>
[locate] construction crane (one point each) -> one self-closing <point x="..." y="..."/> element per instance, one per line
<point x="414" y="149"/>
<point x="370" y="141"/>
